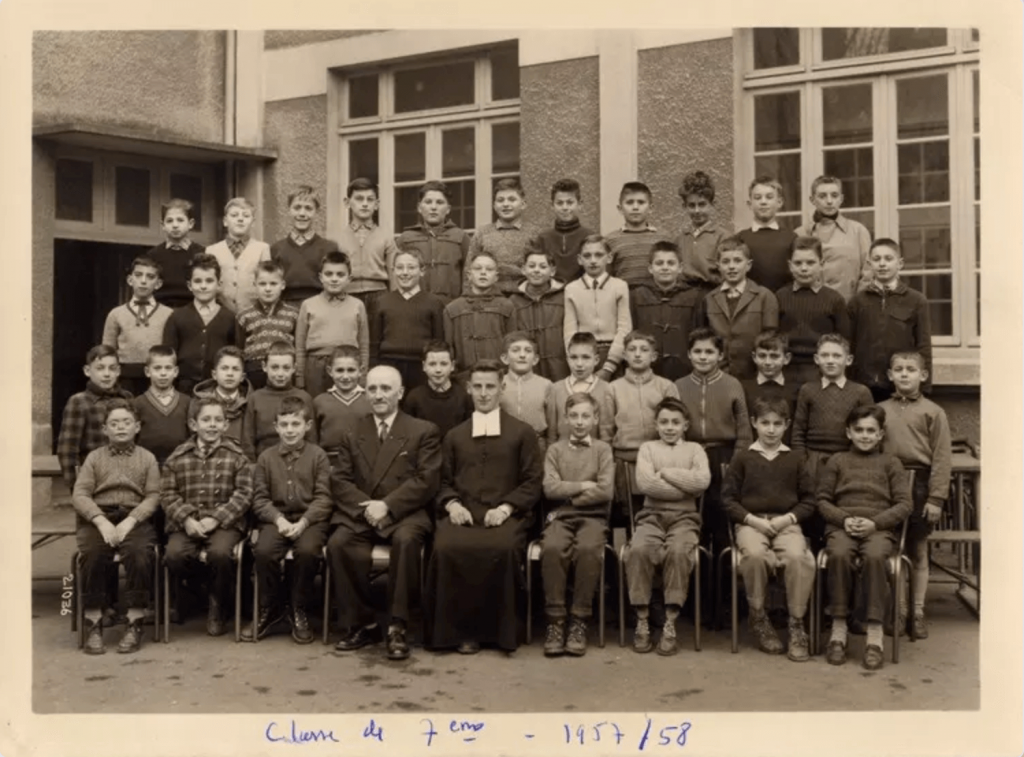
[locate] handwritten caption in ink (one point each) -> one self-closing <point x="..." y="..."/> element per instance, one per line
<point x="646" y="734"/>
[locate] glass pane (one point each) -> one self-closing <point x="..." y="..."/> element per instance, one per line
<point x="925" y="238"/>
<point x="976" y="91"/>
<point x="406" y="200"/>
<point x="776" y="47"/>
<point x="923" y="172"/>
<point x="866" y="217"/>
<point x="411" y="157"/>
<point x="131" y="196"/>
<point x="463" y="203"/>
<point x="504" y="148"/>
<point x="189" y="188"/>
<point x="363" y="96"/>
<point x="855" y="168"/>
<point x="846" y="114"/>
<point x="975" y="36"/>
<point x="855" y="42"/>
<point x="938" y="288"/>
<point x="785" y="168"/>
<point x="977" y="168"/>
<point x="363" y="159"/>
<point x="777" y="122"/>
<point x="458" y="152"/>
<point x="922" y="107"/>
<point x="73" y="196"/>
<point x="505" y="74"/>
<point x="439" y="86"/>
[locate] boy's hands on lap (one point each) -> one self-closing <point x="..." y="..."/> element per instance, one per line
<point x="108" y="531"/>
<point x="193" y="529"/>
<point x="852" y="526"/>
<point x="299" y="527"/>
<point x="780" y="522"/>
<point x="124" y="527"/>
<point x="284" y="527"/>
<point x="763" y="525"/>
<point x="209" y="524"/>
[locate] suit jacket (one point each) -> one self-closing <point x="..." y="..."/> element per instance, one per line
<point x="756" y="310"/>
<point x="404" y="472"/>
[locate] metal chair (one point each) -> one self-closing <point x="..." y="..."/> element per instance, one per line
<point x="237" y="556"/>
<point x="895" y="564"/>
<point x="695" y="595"/>
<point x="78" y="609"/>
<point x="290" y="555"/>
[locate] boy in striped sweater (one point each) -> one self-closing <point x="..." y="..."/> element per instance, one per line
<point x="579" y="477"/>
<point x="864" y="496"/>
<point x="631" y="245"/>
<point x="672" y="473"/>
<point x="270" y="319"/>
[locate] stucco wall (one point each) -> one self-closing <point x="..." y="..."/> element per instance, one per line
<point x="559" y="135"/>
<point x="169" y="82"/>
<point x="685" y="123"/>
<point x="297" y="129"/>
<point x="275" y="38"/>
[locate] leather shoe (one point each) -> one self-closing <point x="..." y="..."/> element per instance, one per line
<point x="358" y="638"/>
<point x="94" y="638"/>
<point x="266" y="619"/>
<point x="300" y="627"/>
<point x="836" y="653"/>
<point x="873" y="657"/>
<point x="469" y="647"/>
<point x="398" y="648"/>
<point x="920" y="627"/>
<point x="132" y="638"/>
<point x="214" y="622"/>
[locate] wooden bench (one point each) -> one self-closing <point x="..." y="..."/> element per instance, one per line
<point x="58" y="525"/>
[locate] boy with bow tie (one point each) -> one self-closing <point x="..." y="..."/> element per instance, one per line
<point x="137" y="325"/>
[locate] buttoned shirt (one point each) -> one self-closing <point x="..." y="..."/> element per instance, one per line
<point x="411" y="293"/>
<point x="207" y="311"/>
<point x="591" y="283"/>
<point x="734" y="291"/>
<point x="766" y="453"/>
<point x="840" y="382"/>
<point x="586" y="441"/>
<point x="814" y="286"/>
<point x="301" y="238"/>
<point x="778" y="379"/>
<point x="384" y="425"/>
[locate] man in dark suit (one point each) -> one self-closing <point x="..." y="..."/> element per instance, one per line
<point x="386" y="476"/>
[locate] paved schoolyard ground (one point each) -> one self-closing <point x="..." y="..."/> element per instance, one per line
<point x="198" y="674"/>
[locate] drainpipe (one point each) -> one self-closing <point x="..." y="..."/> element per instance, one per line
<point x="230" y="105"/>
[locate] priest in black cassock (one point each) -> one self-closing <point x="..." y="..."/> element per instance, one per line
<point x="491" y="475"/>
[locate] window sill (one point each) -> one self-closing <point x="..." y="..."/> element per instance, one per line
<point x="956" y="366"/>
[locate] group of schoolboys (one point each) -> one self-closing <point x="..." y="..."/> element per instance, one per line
<point x="635" y="359"/>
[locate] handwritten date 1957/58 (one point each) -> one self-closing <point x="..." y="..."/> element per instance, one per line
<point x="67" y="591"/>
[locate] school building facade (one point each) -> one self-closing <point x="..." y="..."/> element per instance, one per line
<point x="124" y="120"/>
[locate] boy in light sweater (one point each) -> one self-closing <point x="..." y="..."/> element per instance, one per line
<point x="370" y="248"/>
<point x="524" y="394"/>
<point x="671" y="473"/>
<point x="582" y="359"/>
<point x="238" y="255"/>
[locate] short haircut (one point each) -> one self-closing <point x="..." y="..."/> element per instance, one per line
<point x="697" y="183"/>
<point x="704" y="335"/>
<point x="581" y="398"/>
<point x="144" y="261"/>
<point x="197" y="404"/>
<point x="887" y="242"/>
<point x="269" y="266"/>
<point x="346" y="352"/>
<point x="508" y="185"/>
<point x="532" y="250"/>
<point x="761" y="406"/>
<point x="178" y="203"/>
<point x="335" y="257"/>
<point x="304" y="192"/>
<point x="99" y="352"/>
<point x="569" y="186"/>
<point x="825" y="179"/>
<point x="239" y="202"/>
<point x="411" y="252"/>
<point x="733" y="244"/>
<point x="280" y="348"/>
<point x="596" y="239"/>
<point x="517" y="336"/>
<point x="839" y="339"/>
<point x="226" y="352"/>
<point x="663" y="245"/>
<point x="806" y="243"/>
<point x="118" y="403"/>
<point x="438" y="345"/>
<point x="203" y="261"/>
<point x="764" y="180"/>
<point x="361" y="184"/>
<point x="909" y="355"/>
<point x="861" y="412"/>
<point x="435" y="186"/>
<point x="772" y="340"/>
<point x="292" y="405"/>
<point x="474" y="256"/>
<point x="673" y="404"/>
<point x="161" y="350"/>
<point x="486" y="366"/>
<point x="635" y="187"/>
<point x="582" y="339"/>
<point x="639" y="336"/>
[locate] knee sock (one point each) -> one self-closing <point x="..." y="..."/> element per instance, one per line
<point x="756" y="607"/>
<point x="642" y="613"/>
<point x="671" y="614"/>
<point x="919" y="579"/>
<point x="92" y="615"/>
<point x="135" y="613"/>
<point x="839" y="630"/>
<point x="875" y="635"/>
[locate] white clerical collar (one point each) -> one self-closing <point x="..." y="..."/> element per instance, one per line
<point x="777" y="379"/>
<point x="768" y="454"/>
<point x="487" y="424"/>
<point x="840" y="382"/>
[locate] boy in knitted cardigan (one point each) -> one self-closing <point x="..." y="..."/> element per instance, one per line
<point x="864" y="496"/>
<point x="672" y="473"/>
<point x="475" y="324"/>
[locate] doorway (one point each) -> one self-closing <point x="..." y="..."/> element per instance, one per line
<point x="89" y="280"/>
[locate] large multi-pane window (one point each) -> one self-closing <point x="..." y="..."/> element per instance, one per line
<point x="455" y="119"/>
<point x="893" y="113"/>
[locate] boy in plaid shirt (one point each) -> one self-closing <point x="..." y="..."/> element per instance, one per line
<point x="81" y="428"/>
<point x="206" y="493"/>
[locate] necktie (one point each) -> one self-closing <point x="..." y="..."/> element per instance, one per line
<point x="383" y="432"/>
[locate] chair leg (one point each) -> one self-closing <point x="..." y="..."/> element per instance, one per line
<point x="529" y="597"/>
<point x="255" y="604"/>
<point x="600" y="601"/>
<point x="78" y="604"/>
<point x="238" y="596"/>
<point x="167" y="604"/>
<point x="622" y="597"/>
<point x="734" y="603"/>
<point x="697" y="600"/>
<point x="156" y="593"/>
<point x="327" y="600"/>
<point x="74" y="596"/>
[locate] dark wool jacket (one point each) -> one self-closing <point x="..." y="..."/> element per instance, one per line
<point x="444" y="257"/>
<point x="543" y="318"/>
<point x="668" y="316"/>
<point x="884" y="323"/>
